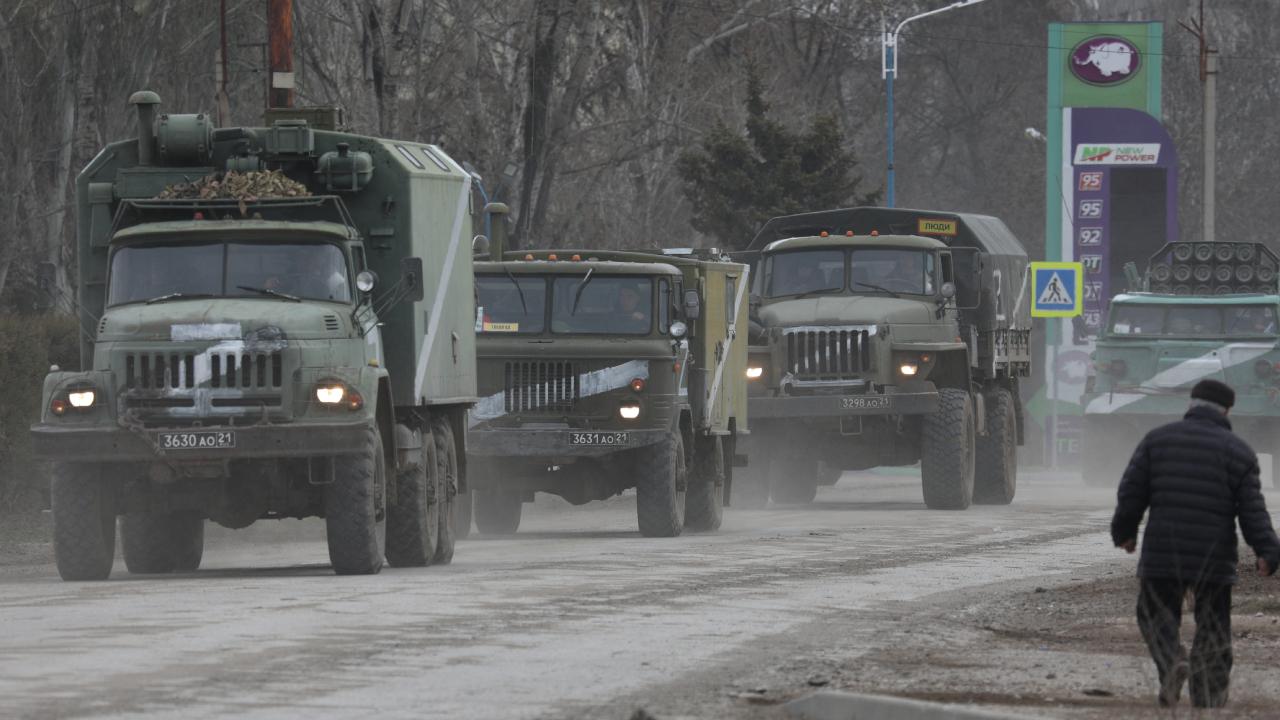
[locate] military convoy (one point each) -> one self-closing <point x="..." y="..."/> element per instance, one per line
<point x="601" y="371"/>
<point x="886" y="337"/>
<point x="308" y="354"/>
<point x="287" y="323"/>
<point x="1201" y="310"/>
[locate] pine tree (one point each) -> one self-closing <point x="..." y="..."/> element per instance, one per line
<point x="736" y="182"/>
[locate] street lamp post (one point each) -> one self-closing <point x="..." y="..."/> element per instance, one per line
<point x="889" y="71"/>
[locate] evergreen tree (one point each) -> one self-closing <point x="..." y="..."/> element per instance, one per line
<point x="737" y="182"/>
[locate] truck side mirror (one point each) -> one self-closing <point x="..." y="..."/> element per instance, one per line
<point x="411" y="279"/>
<point x="692" y="305"/>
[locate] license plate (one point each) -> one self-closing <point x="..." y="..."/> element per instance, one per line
<point x="197" y="440"/>
<point x="598" y="438"/>
<point x="869" y="402"/>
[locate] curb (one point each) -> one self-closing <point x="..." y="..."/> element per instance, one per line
<point x="832" y="705"/>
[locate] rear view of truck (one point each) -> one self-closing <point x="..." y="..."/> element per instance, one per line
<point x="281" y="328"/>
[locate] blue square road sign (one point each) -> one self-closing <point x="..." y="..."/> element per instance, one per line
<point x="1057" y="289"/>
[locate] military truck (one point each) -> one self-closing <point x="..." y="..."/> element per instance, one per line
<point x="886" y="337"/>
<point x="1201" y="310"/>
<point x="601" y="371"/>
<point x="308" y="354"/>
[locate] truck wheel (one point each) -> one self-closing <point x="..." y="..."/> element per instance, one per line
<point x="800" y="485"/>
<point x="996" y="477"/>
<point x="447" y="471"/>
<point x="413" y="519"/>
<point x="497" y="512"/>
<point x="751" y="486"/>
<point x="947" y="455"/>
<point x="661" y="484"/>
<point x="84" y="522"/>
<point x="155" y="543"/>
<point x="351" y="505"/>
<point x="704" y="501"/>
<point x="186" y="531"/>
<point x="828" y="474"/>
<point x="462" y="515"/>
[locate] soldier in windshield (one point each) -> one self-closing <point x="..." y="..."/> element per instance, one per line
<point x="315" y="273"/>
<point x="630" y="309"/>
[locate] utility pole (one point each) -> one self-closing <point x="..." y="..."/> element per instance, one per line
<point x="280" y="54"/>
<point x="1208" y="78"/>
<point x="220" y="71"/>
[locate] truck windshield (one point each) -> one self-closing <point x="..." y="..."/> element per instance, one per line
<point x="511" y="303"/>
<point x="309" y="271"/>
<point x="1192" y="320"/>
<point x="602" y="304"/>
<point x="895" y="270"/>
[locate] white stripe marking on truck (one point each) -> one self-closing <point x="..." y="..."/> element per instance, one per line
<point x="442" y="287"/>
<point x="1184" y="373"/>
<point x="591" y="383"/>
<point x="728" y="343"/>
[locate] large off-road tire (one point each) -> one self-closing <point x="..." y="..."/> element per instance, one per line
<point x="704" y="500"/>
<point x="413" y="519"/>
<point x="351" y="506"/>
<point x="462" y="514"/>
<point x="84" y="521"/>
<point x="828" y="474"/>
<point x="155" y="543"/>
<point x="497" y="512"/>
<point x="662" y="477"/>
<point x="795" y="480"/>
<point x="996" y="471"/>
<point x="947" y="456"/>
<point x="447" y="468"/>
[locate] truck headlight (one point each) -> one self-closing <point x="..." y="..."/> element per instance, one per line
<point x="81" y="398"/>
<point x="629" y="412"/>
<point x="909" y="369"/>
<point x="755" y="373"/>
<point x="330" y="393"/>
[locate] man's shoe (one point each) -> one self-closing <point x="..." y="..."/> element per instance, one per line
<point x="1171" y="687"/>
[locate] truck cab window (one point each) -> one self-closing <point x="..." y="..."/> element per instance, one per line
<point x="601" y="304"/>
<point x="511" y="304"/>
<point x="806" y="271"/>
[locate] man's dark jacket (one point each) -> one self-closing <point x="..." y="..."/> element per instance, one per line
<point x="1197" y="477"/>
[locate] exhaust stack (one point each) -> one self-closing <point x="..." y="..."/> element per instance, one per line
<point x="147" y="102"/>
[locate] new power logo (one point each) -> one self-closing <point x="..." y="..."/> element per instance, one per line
<point x="1117" y="154"/>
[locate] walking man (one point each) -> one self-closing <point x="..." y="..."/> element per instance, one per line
<point x="1197" y="478"/>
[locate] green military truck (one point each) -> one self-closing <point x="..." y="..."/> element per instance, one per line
<point x="601" y="371"/>
<point x="886" y="337"/>
<point x="1203" y="310"/>
<point x="307" y="354"/>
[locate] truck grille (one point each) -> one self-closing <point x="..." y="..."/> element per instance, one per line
<point x="172" y="371"/>
<point x="540" y="386"/>
<point x="828" y="353"/>
<point x="159" y="371"/>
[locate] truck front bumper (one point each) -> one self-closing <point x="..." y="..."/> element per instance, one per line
<point x="556" y="442"/>
<point x="810" y="406"/>
<point x="117" y="444"/>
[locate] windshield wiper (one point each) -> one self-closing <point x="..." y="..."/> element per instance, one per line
<point x="819" y="291"/>
<point x="512" y="278"/>
<point x="578" y="295"/>
<point x="269" y="291"/>
<point x="177" y="296"/>
<point x="877" y="287"/>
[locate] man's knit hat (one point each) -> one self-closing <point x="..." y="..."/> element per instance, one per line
<point x="1215" y="392"/>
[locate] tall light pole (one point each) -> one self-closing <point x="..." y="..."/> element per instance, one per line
<point x="889" y="71"/>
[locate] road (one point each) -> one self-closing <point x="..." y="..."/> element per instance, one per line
<point x="577" y="616"/>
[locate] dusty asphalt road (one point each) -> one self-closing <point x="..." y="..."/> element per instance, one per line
<point x="577" y="616"/>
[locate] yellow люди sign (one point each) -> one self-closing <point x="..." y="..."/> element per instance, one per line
<point x="928" y="226"/>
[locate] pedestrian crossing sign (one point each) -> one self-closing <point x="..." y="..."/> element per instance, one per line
<point x="1057" y="289"/>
